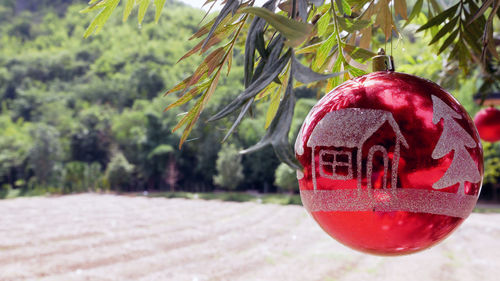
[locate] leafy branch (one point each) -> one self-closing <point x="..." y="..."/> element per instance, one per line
<point x="317" y="43"/>
<point x="106" y="8"/>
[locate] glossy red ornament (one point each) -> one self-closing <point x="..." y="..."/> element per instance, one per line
<point x="488" y="124"/>
<point x="392" y="163"/>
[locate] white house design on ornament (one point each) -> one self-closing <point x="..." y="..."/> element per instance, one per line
<point x="348" y="129"/>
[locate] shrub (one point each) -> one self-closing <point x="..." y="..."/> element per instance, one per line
<point x="285" y="178"/>
<point x="4" y="190"/>
<point x="119" y="172"/>
<point x="229" y="168"/>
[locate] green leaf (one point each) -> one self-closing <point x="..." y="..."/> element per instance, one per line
<point x="143" y="7"/>
<point x="94" y="5"/>
<point x="278" y="131"/>
<point x="336" y="68"/>
<point x="159" y="7"/>
<point x="253" y="89"/>
<point x="443" y="31"/>
<point x="415" y="11"/>
<point x="340" y="6"/>
<point x="472" y="39"/>
<point x="436" y="6"/>
<point x="346" y="7"/>
<point x="481" y="10"/>
<point x="309" y="49"/>
<point x="350" y="25"/>
<point x="323" y="51"/>
<point x="230" y="6"/>
<point x="356" y="4"/>
<point x="306" y="75"/>
<point x="273" y="107"/>
<point x="323" y="23"/>
<point x="296" y="32"/>
<point x="128" y="9"/>
<point x="440" y="18"/>
<point x="356" y="72"/>
<point x="101" y="18"/>
<point x="359" y="54"/>
<point x="448" y="41"/>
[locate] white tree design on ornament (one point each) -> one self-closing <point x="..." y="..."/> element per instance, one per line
<point x="454" y="137"/>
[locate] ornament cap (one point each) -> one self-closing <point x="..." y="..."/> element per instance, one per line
<point x="382" y="61"/>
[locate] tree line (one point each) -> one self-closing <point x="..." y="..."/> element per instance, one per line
<point x="88" y="114"/>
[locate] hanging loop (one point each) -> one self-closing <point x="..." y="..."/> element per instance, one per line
<point x="383" y="62"/>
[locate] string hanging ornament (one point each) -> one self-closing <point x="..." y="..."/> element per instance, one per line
<point x="392" y="163"/>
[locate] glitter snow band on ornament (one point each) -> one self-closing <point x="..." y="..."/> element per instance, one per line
<point x="389" y="200"/>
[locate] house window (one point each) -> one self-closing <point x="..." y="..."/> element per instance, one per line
<point x="335" y="165"/>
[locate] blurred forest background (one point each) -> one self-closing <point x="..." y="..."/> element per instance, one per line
<point x="82" y="115"/>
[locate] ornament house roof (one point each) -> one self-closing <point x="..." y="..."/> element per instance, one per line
<point x="351" y="127"/>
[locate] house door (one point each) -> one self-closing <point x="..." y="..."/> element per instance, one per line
<point x="369" y="166"/>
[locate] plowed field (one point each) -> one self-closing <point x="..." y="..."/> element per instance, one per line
<point x="108" y="237"/>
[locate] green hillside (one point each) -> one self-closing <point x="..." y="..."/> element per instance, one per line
<point x="81" y="114"/>
<point x="88" y="114"/>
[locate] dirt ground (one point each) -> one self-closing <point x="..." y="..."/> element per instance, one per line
<point x="107" y="237"/>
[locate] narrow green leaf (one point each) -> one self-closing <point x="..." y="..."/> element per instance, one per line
<point x="276" y="97"/>
<point x="472" y="40"/>
<point x="324" y="51"/>
<point x="296" y="32"/>
<point x="230" y="6"/>
<point x="186" y="97"/>
<point x="273" y="107"/>
<point x="359" y="54"/>
<point x="159" y="7"/>
<point x="443" y="31"/>
<point x="436" y="6"/>
<point x="448" y="41"/>
<point x="93" y="5"/>
<point x="356" y="72"/>
<point x="336" y="68"/>
<point x="463" y="56"/>
<point x="415" y="11"/>
<point x="128" y="9"/>
<point x="101" y="18"/>
<point x="346" y="7"/>
<point x="481" y="10"/>
<point x="256" y="87"/>
<point x="278" y="132"/>
<point x="187" y="118"/>
<point x="190" y="120"/>
<point x="143" y="7"/>
<point x="245" y="108"/>
<point x="340" y="6"/>
<point x="440" y="18"/>
<point x="309" y="49"/>
<point x="323" y="23"/>
<point x="305" y="75"/>
<point x="350" y="25"/>
<point x="356" y="4"/>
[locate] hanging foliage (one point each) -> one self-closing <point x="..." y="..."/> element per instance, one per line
<point x="310" y="42"/>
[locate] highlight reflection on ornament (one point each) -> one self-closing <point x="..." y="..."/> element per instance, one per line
<point x="392" y="163"/>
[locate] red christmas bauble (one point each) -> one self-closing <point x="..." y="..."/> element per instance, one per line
<point x="488" y="124"/>
<point x="392" y="163"/>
